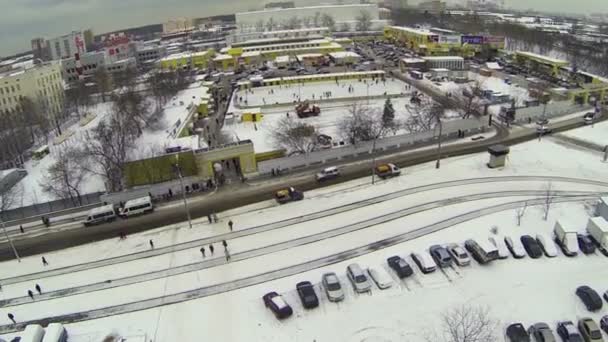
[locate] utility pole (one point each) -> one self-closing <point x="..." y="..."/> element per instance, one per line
<point x="9" y="240"/>
<point x="178" y="170"/>
<point x="438" y="163"/>
<point x="374" y="161"/>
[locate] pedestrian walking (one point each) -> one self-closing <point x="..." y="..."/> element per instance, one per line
<point x="211" y="249"/>
<point x="227" y="254"/>
<point x="38" y="289"/>
<point x="225" y="244"/>
<point x="230" y="224"/>
<point x="151" y="244"/>
<point x="215" y="219"/>
<point x="31" y="294"/>
<point x="12" y="318"/>
<point x="209" y="218"/>
<point x="44" y="262"/>
<point x="203" y="251"/>
<point x="21" y="229"/>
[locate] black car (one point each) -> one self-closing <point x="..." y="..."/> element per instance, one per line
<point x="567" y="331"/>
<point x="400" y="266"/>
<point x="277" y="305"/>
<point x="517" y="333"/>
<point x="531" y="246"/>
<point x="441" y="256"/>
<point x="541" y="332"/>
<point x="307" y="294"/>
<point x="585" y="244"/>
<point x="590" y="298"/>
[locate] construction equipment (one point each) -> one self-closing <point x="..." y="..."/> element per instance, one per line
<point x="305" y="110"/>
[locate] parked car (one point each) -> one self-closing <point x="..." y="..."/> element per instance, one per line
<point x="517" y="333"/>
<point x="441" y="256"/>
<point x="307" y="294"/>
<point x="424" y="261"/>
<point x="382" y="279"/>
<point x="501" y="247"/>
<point x="604" y="323"/>
<point x="547" y="245"/>
<point x="460" y="256"/>
<point x="400" y="266"/>
<point x="277" y="305"/>
<point x="358" y="278"/>
<point x="588" y="118"/>
<point x="541" y="332"/>
<point x="590" y="298"/>
<point x="328" y="173"/>
<point x="332" y="286"/>
<point x="531" y="246"/>
<point x="567" y="331"/>
<point x="585" y="244"/>
<point x="590" y="331"/>
<point x="515" y="247"/>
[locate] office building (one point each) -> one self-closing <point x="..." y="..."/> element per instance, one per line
<point x="67" y="46"/>
<point x="40" y="50"/>
<point x="90" y="62"/>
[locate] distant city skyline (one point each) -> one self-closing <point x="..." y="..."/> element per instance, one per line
<point x="25" y="19"/>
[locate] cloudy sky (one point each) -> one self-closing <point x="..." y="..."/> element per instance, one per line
<point x="21" y="20"/>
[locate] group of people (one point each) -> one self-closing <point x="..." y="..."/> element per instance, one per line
<point x="212" y="250"/>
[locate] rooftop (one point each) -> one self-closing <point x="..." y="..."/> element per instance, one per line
<point x="413" y="30"/>
<point x="343" y="54"/>
<point x="443" y="58"/>
<point x="541" y="57"/>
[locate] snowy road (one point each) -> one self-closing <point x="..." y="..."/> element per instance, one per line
<point x="287" y="271"/>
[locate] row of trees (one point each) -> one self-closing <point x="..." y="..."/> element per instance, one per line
<point x="363" y="23"/>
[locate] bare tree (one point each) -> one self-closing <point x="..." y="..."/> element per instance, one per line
<point x="364" y="21"/>
<point x="466" y="323"/>
<point x="133" y="109"/>
<point x="293" y="23"/>
<point x="548" y="198"/>
<point x="520" y="212"/>
<point x="294" y="136"/>
<point x="10" y="197"/>
<point x="64" y="177"/>
<point x="316" y="19"/>
<point x="468" y="102"/>
<point x="103" y="82"/>
<point x="125" y="79"/>
<point x="270" y="24"/>
<point x="344" y="27"/>
<point x="539" y="91"/>
<point x="328" y="21"/>
<point x="423" y="116"/>
<point x="77" y="96"/>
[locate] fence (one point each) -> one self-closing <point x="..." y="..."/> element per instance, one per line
<point x="156" y="190"/>
<point x="39" y="209"/>
<point x="450" y="130"/>
<point x="554" y="109"/>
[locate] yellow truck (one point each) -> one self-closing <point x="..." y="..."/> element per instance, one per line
<point x="387" y="170"/>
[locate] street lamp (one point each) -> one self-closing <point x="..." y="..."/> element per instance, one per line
<point x="178" y="169"/>
<point x="9" y="240"/>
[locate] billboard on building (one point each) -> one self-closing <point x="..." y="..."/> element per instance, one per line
<point x="495" y="41"/>
<point x="474" y="40"/>
<point x="449" y="39"/>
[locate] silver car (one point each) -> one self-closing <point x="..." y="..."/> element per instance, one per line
<point x="332" y="287"/>
<point x="459" y="255"/>
<point x="358" y="278"/>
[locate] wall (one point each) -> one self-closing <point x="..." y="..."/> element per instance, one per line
<point x="554" y="109"/>
<point x="158" y="169"/>
<point x="242" y="150"/>
<point x="450" y="130"/>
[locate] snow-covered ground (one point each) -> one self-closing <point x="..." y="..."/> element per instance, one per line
<point x="153" y="140"/>
<point x="290" y="94"/>
<point x="597" y="133"/>
<point x="516" y="290"/>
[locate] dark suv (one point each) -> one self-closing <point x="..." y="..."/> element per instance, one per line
<point x="590" y="298"/>
<point x="441" y="256"/>
<point x="531" y="246"/>
<point x="307" y="294"/>
<point x="517" y="333"/>
<point x="400" y="266"/>
<point x="567" y="331"/>
<point x="277" y="305"/>
<point x="585" y="244"/>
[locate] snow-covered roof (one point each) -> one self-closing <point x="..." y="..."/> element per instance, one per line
<point x="282" y="59"/>
<point x="443" y="58"/>
<point x="493" y="66"/>
<point x="309" y="55"/>
<point x="440" y="70"/>
<point x="222" y="57"/>
<point x="344" y="54"/>
<point x="325" y="76"/>
<point x="410" y="60"/>
<point x="413" y="30"/>
<point x="251" y="54"/>
<point x="541" y="57"/>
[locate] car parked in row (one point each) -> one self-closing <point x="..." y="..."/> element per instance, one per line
<point x="382" y="279"/>
<point x="541" y="332"/>
<point x="592" y="301"/>
<point x="590" y="331"/>
<point x="460" y="256"/>
<point x="358" y="278"/>
<point x="400" y="266"/>
<point x="567" y="331"/>
<point x="604" y="323"/>
<point x="585" y="244"/>
<point x="424" y="261"/>
<point x="277" y="305"/>
<point x="515" y="247"/>
<point x="307" y="294"/>
<point x="503" y="251"/>
<point x="547" y="245"/>
<point x="531" y="246"/>
<point x="517" y="333"/>
<point x="441" y="256"/>
<point x="333" y="287"/>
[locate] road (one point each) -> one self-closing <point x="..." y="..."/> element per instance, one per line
<point x="229" y="198"/>
<point x="283" y="272"/>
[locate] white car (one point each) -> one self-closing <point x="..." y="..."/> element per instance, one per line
<point x="358" y="278"/>
<point x="515" y="247"/>
<point x="459" y="255"/>
<point x="503" y="251"/>
<point x="328" y="173"/>
<point x="332" y="286"/>
<point x="382" y="279"/>
<point x="547" y="245"/>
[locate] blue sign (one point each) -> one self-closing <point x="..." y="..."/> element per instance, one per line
<point x="477" y="40"/>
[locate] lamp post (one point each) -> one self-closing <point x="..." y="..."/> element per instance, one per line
<point x="178" y="170"/>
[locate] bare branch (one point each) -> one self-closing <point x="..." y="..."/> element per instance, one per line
<point x="465" y="323"/>
<point x="548" y="198"/>
<point x="294" y="136"/>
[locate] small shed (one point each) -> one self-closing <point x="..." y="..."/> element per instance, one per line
<point x="498" y="155"/>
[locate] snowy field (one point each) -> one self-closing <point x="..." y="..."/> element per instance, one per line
<point x="596" y="134"/>
<point x="516" y="290"/>
<point x="289" y="94"/>
<point x="151" y="142"/>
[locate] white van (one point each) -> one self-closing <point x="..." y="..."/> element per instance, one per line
<point x="499" y="243"/>
<point x="138" y="206"/>
<point x="424" y="261"/>
<point x="100" y="215"/>
<point x="32" y="333"/>
<point x="55" y="332"/>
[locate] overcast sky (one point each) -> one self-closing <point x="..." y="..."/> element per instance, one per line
<point x="21" y="20"/>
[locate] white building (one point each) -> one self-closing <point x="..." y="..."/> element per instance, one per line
<point x="445" y="62"/>
<point x="308" y="32"/>
<point x="90" y="62"/>
<point x="41" y="83"/>
<point x="67" y="46"/>
<point x="342" y="14"/>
